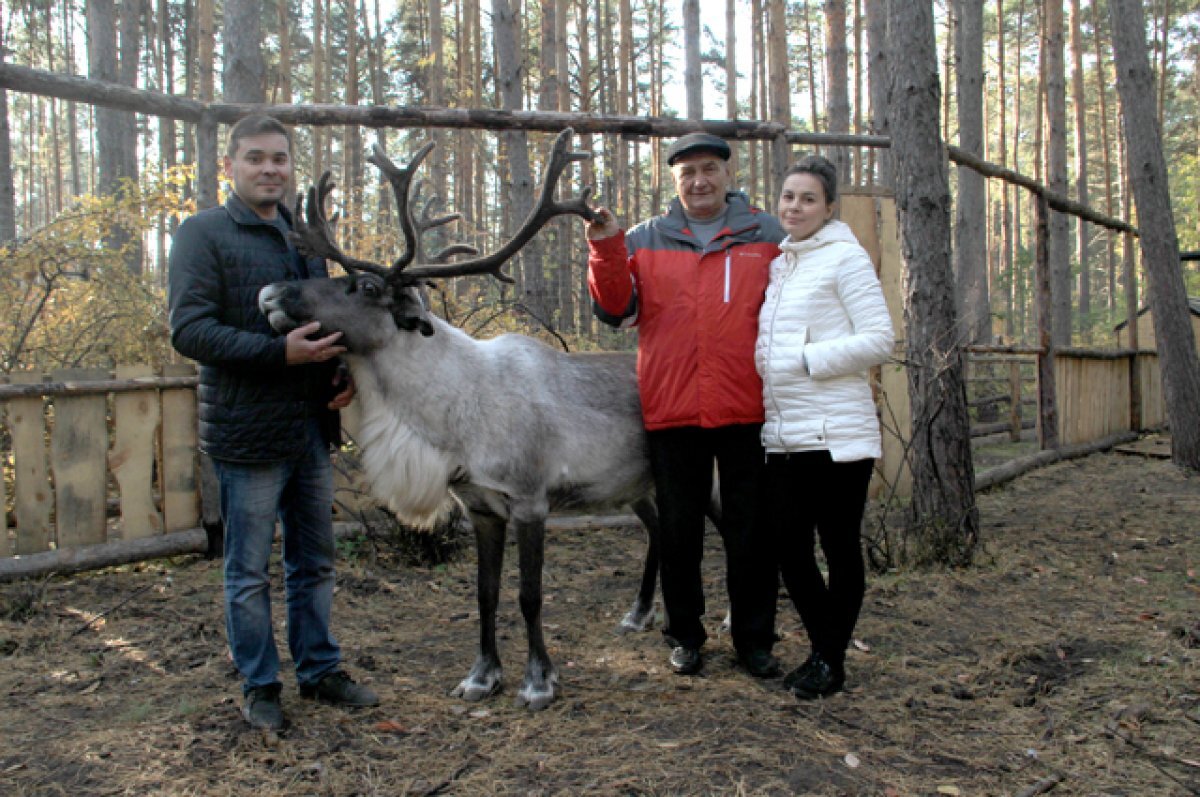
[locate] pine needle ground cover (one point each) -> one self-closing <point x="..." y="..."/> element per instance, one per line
<point x="1067" y="662"/>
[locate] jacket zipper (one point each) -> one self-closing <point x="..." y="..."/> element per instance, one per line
<point x="768" y="381"/>
<point x="727" y="266"/>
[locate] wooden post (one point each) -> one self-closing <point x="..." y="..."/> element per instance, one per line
<point x="180" y="497"/>
<point x="206" y="161"/>
<point x="1014" y="392"/>
<point x="1047" y="393"/>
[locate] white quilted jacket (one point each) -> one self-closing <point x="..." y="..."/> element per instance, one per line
<point x="823" y="324"/>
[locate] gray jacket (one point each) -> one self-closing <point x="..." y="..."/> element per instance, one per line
<point x="253" y="406"/>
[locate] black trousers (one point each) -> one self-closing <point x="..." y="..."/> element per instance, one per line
<point x="682" y="462"/>
<point x="808" y="491"/>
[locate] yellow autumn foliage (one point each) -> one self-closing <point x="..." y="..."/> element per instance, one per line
<point x="68" y="297"/>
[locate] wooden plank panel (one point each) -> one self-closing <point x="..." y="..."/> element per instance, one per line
<point x="131" y="458"/>
<point x="895" y="409"/>
<point x="859" y="212"/>
<point x="33" y="494"/>
<point x="180" y="487"/>
<point x="78" y="459"/>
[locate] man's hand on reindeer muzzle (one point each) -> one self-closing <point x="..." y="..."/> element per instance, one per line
<point x="303" y="349"/>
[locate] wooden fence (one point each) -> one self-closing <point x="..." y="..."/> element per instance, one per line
<point x="109" y="461"/>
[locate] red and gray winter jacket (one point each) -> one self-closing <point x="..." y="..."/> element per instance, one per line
<point x="696" y="309"/>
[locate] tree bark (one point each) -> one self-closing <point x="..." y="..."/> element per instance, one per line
<point x="970" y="229"/>
<point x="780" y="95"/>
<point x="243" y="78"/>
<point x="8" y="212"/>
<point x="1082" y="237"/>
<point x="837" y="82"/>
<point x="691" y="69"/>
<point x="877" y="83"/>
<point x="943" y="510"/>
<point x="1056" y="170"/>
<point x="1102" y="87"/>
<point x="1160" y="246"/>
<point x="516" y="144"/>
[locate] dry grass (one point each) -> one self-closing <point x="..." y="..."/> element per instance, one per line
<point x="1068" y="658"/>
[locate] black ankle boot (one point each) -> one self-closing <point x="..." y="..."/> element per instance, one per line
<point x="817" y="677"/>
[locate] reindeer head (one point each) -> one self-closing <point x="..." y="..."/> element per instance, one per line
<point x="358" y="305"/>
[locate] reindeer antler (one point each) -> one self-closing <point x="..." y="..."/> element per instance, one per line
<point x="314" y="230"/>
<point x="545" y="209"/>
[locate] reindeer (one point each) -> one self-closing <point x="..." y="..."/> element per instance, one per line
<point x="509" y="427"/>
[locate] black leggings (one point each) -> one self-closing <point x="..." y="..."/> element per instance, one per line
<point x="808" y="491"/>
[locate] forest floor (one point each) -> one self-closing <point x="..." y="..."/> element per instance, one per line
<point x="1067" y="661"/>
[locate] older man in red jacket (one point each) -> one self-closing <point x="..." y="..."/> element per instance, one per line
<point x="693" y="280"/>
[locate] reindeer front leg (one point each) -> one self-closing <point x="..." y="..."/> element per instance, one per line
<point x="540" y="686"/>
<point x="486" y="676"/>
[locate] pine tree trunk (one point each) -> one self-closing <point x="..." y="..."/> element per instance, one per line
<point x="877" y="84"/>
<point x="943" y="510"/>
<point x="970" y="228"/>
<point x="1082" y="244"/>
<point x="1156" y="224"/>
<point x="691" y="60"/>
<point x="780" y="95"/>
<point x="243" y="78"/>
<point x="1102" y="87"/>
<point x="1056" y="172"/>
<point x="508" y="81"/>
<point x="837" y="82"/>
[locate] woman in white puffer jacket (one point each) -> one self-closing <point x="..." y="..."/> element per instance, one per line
<point x="824" y="323"/>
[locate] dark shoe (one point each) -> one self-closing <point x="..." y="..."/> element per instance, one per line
<point x="795" y="676"/>
<point x="760" y="664"/>
<point x="339" y="689"/>
<point x="685" y="660"/>
<point x="820" y="680"/>
<point x="261" y="708"/>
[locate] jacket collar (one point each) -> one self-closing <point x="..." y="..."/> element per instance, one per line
<point x="740" y="218"/>
<point x="240" y="212"/>
<point x="833" y="231"/>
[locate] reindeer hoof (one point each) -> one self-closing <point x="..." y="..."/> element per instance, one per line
<point x="472" y="690"/>
<point x="636" y="620"/>
<point x="536" y="698"/>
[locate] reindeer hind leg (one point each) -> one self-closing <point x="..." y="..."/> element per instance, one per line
<point x="540" y="686"/>
<point x="640" y="616"/>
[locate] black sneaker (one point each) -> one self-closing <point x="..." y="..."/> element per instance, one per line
<point x="339" y="689"/>
<point x="820" y="680"/>
<point x="261" y="708"/>
<point x="685" y="660"/>
<point x="760" y="663"/>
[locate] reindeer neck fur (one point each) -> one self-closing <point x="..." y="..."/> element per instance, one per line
<point x="410" y="440"/>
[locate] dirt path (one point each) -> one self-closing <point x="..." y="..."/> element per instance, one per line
<point x="1070" y="656"/>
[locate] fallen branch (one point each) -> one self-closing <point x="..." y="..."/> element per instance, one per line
<point x="96" y="618"/>
<point x="1011" y="470"/>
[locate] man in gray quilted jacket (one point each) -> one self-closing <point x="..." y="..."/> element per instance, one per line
<point x="268" y="415"/>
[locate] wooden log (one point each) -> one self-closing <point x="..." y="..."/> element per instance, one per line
<point x="36" y="387"/>
<point x="1011" y="470"/>
<point x="195" y="541"/>
<point x="33" y="495"/>
<point x="78" y="459"/>
<point x="985" y="429"/>
<point x="131" y="458"/>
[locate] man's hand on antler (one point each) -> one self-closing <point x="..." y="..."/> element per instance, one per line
<point x="604" y="225"/>
<point x="301" y="350"/>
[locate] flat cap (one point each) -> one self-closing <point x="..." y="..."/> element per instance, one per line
<point x="697" y="142"/>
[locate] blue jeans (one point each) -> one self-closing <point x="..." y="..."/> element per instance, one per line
<point x="299" y="493"/>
